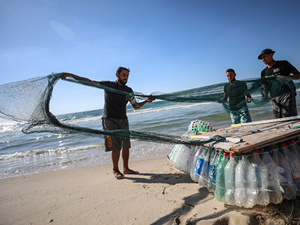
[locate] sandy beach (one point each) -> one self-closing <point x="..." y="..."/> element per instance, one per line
<point x="160" y="194"/>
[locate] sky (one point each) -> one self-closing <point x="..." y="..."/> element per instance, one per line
<point x="169" y="45"/>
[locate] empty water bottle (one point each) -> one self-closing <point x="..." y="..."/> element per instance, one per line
<point x="181" y="158"/>
<point x="294" y="166"/>
<point x="220" y="180"/>
<point x="199" y="163"/>
<point x="219" y="158"/>
<point x="189" y="160"/>
<point x="241" y="181"/>
<point x="230" y="180"/>
<point x="203" y="179"/>
<point x="272" y="177"/>
<point x="284" y="173"/>
<point x="175" y="154"/>
<point x="261" y="173"/>
<point x="295" y="148"/>
<point x="194" y="176"/>
<point x="212" y="172"/>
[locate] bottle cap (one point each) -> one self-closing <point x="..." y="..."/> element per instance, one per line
<point x="256" y="151"/>
<point x="232" y="154"/>
<point x="283" y="145"/>
<point x="266" y="149"/>
<point x="225" y="154"/>
<point x="293" y="141"/>
<point x="220" y="152"/>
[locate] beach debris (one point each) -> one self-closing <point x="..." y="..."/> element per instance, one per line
<point x="164" y="189"/>
<point x="176" y="220"/>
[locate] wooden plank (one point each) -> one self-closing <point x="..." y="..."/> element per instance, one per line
<point x="254" y="136"/>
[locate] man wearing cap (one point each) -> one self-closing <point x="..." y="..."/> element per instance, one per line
<point x="282" y="92"/>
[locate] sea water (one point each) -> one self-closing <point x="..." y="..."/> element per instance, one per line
<point x="22" y="154"/>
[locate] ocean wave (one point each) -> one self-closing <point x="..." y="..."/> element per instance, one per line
<point x="166" y="108"/>
<point x="11" y="127"/>
<point x="82" y="119"/>
<point x="46" y="152"/>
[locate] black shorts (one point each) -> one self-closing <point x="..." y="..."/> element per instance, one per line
<point x="115" y="143"/>
<point x="284" y="106"/>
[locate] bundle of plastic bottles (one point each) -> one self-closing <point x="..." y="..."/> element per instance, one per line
<point x="198" y="126"/>
<point x="257" y="178"/>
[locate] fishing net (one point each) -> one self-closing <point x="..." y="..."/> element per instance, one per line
<point x="28" y="102"/>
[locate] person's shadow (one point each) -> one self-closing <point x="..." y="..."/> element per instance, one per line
<point x="166" y="178"/>
<point x="189" y="202"/>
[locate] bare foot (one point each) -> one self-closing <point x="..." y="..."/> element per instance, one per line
<point x="118" y="174"/>
<point x="129" y="171"/>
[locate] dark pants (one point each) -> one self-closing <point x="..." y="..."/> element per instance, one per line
<point x="284" y="106"/>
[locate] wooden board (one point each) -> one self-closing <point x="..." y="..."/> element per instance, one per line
<point x="254" y="135"/>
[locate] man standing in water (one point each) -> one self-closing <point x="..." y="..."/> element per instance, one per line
<point x="283" y="97"/>
<point x="236" y="91"/>
<point x="115" y="118"/>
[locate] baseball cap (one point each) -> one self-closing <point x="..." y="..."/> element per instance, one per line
<point x="266" y="51"/>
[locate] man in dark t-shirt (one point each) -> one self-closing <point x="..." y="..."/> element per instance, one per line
<point x="282" y="92"/>
<point x="235" y="91"/>
<point x="115" y="118"/>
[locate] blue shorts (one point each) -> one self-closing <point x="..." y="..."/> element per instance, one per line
<point x="115" y="143"/>
<point x="240" y="116"/>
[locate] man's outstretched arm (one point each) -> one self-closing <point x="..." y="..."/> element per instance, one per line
<point x="65" y="75"/>
<point x="137" y="105"/>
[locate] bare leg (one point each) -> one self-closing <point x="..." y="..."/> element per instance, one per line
<point x="115" y="155"/>
<point x="125" y="156"/>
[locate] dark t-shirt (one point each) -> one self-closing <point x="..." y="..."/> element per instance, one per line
<point x="236" y="91"/>
<point x="275" y="87"/>
<point x="115" y="104"/>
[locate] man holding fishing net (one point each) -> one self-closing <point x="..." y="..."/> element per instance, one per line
<point x="282" y="90"/>
<point x="115" y="117"/>
<point x="235" y="91"/>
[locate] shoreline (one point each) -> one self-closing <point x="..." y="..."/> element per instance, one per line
<point x="160" y="194"/>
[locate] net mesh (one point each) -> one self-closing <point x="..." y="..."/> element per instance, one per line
<point x="28" y="101"/>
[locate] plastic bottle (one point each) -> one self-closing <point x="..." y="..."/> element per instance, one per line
<point x="241" y="182"/>
<point x="212" y="172"/>
<point x="294" y="166"/>
<point x="190" y="130"/>
<point x="173" y="155"/>
<point x="295" y="148"/>
<point x="219" y="158"/>
<point x="230" y="180"/>
<point x="220" y="179"/>
<point x="181" y="157"/>
<point x="203" y="179"/>
<point x="261" y="175"/>
<point x="194" y="176"/>
<point x="199" y="164"/>
<point x="191" y="151"/>
<point x="284" y="173"/>
<point x="272" y="177"/>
